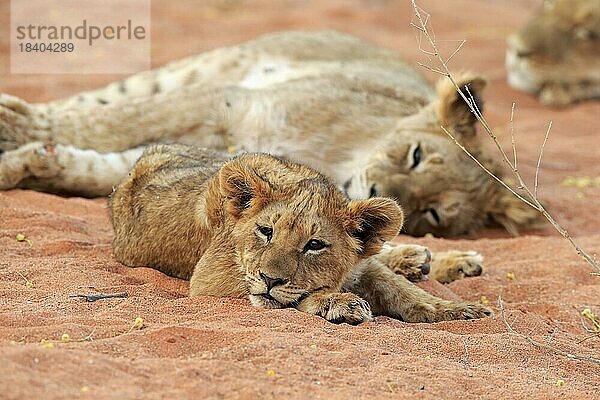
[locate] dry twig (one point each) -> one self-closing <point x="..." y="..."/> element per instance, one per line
<point x="465" y="360"/>
<point x="439" y="65"/>
<point x="545" y="346"/>
<point x="99" y="296"/>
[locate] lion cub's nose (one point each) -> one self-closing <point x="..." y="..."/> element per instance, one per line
<point x="272" y="282"/>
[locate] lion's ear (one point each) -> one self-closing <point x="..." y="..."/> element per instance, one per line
<point x="510" y="212"/>
<point x="453" y="112"/>
<point x="243" y="188"/>
<point x="373" y="222"/>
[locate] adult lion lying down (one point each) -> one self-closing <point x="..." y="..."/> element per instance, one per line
<point x="276" y="231"/>
<point x="354" y="111"/>
<point x="556" y="54"/>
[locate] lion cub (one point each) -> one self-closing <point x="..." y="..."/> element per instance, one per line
<point x="276" y="231"/>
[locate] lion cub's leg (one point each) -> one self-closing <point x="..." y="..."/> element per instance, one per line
<point x="451" y="265"/>
<point x="393" y="295"/>
<point x="59" y="168"/>
<point x="337" y="307"/>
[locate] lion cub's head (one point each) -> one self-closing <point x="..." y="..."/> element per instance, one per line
<point x="441" y="189"/>
<point x="555" y="54"/>
<point x="294" y="232"/>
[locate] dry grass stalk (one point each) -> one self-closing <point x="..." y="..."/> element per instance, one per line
<point x="545" y="346"/>
<point x="531" y="196"/>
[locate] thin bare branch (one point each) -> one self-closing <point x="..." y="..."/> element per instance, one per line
<point x="487" y="171"/>
<point x="456" y="51"/>
<point x="512" y="135"/>
<point x="465" y="360"/>
<point x="473" y="105"/>
<point x="532" y="200"/>
<point x="437" y="71"/>
<point x="416" y="26"/>
<point x="537" y="168"/>
<point x="544" y="346"/>
<point x="99" y="296"/>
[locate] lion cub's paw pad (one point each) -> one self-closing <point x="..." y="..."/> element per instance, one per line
<point x="348" y="308"/>
<point x="411" y="261"/>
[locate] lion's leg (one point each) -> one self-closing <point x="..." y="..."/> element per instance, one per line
<point x="451" y="265"/>
<point x="393" y="295"/>
<point x="560" y="94"/>
<point x="166" y="102"/>
<point x="191" y="115"/>
<point x="223" y="66"/>
<point x="336" y="307"/>
<point x="64" y="169"/>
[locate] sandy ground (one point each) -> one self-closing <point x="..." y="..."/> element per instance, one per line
<point x="223" y="348"/>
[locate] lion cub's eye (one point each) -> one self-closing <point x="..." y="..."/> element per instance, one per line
<point x="416" y="157"/>
<point x="265" y="231"/>
<point x="315" y="245"/>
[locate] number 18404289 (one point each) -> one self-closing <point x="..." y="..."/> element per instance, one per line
<point x="36" y="47"/>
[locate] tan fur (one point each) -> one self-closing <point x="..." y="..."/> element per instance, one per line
<point x="555" y="55"/>
<point x="341" y="105"/>
<point x="452" y="265"/>
<point x="245" y="227"/>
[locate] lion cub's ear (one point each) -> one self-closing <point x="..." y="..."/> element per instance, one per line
<point x="373" y="222"/>
<point x="242" y="187"/>
<point x="453" y="112"/>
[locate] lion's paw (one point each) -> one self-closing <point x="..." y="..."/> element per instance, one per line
<point x="452" y="265"/>
<point x="31" y="160"/>
<point x="556" y="94"/>
<point x="348" y="308"/>
<point x="411" y="261"/>
<point x="15" y="117"/>
<point x="446" y="311"/>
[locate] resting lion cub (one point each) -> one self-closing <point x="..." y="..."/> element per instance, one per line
<point x="276" y="231"/>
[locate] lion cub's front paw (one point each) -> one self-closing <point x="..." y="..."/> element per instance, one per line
<point x="348" y="308"/>
<point x="411" y="261"/>
<point x="469" y="310"/>
<point x="464" y="310"/>
<point x="447" y="311"/>
<point x="452" y="265"/>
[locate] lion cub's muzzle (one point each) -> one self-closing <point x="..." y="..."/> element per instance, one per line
<point x="268" y="292"/>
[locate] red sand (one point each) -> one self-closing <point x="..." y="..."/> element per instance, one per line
<point x="223" y="348"/>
